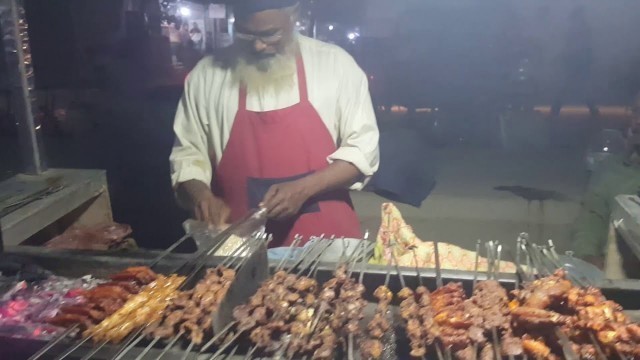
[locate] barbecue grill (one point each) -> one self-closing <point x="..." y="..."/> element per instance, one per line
<point x="77" y="264"/>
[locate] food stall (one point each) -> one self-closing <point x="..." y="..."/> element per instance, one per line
<point x="240" y="301"/>
<point x="396" y="297"/>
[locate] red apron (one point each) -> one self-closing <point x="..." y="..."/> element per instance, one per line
<point x="267" y="148"/>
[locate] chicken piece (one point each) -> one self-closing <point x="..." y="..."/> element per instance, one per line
<point x="535" y="318"/>
<point x="106" y="292"/>
<point x="405" y="293"/>
<point x="305" y="284"/>
<point x="261" y="337"/>
<point x="535" y="348"/>
<point x="69" y="320"/>
<point x="371" y="349"/>
<point x="84" y="310"/>
<point x="196" y="334"/>
<point x="511" y="346"/>
<point x="164" y="332"/>
<point x="467" y="353"/>
<point x="383" y="294"/>
<point x="487" y="352"/>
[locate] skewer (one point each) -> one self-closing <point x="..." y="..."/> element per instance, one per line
<point x="225" y="346"/>
<point x="395" y="261"/>
<point x="568" y="352"/>
<point x="250" y="353"/>
<point x="595" y="343"/>
<point x="148" y="348"/>
<point x="498" y="261"/>
<point x="364" y="266"/>
<point x="518" y="244"/>
<point x="169" y="250"/>
<point x="415" y="259"/>
<point x="129" y="345"/>
<point x="73" y="348"/>
<point x="439" y="352"/>
<point x="477" y="263"/>
<point x="293" y="246"/>
<point x="233" y="352"/>
<point x="53" y="342"/>
<point x="497" y="349"/>
<point x="94" y="351"/>
<point x="447" y="354"/>
<point x="170" y="344"/>
<point x="438" y="269"/>
<point x="350" y="348"/>
<point x="489" y="248"/>
<point x="187" y="351"/>
<point x="217" y="336"/>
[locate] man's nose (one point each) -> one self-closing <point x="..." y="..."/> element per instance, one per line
<point x="259" y="46"/>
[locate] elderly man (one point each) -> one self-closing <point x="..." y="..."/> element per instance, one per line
<point x="617" y="176"/>
<point x="279" y="121"/>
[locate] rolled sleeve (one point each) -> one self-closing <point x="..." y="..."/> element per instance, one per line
<point x="189" y="157"/>
<point x="358" y="134"/>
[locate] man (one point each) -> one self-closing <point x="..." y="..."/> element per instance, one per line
<point x="281" y="122"/>
<point x="616" y="176"/>
<point x="196" y="36"/>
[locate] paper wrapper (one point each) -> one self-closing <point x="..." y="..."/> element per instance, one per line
<point x="398" y="237"/>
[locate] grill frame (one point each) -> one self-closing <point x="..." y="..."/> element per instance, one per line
<point x="100" y="264"/>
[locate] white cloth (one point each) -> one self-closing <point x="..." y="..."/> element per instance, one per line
<point x="338" y="89"/>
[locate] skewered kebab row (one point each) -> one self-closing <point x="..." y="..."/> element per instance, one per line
<point x="489" y="310"/>
<point x="190" y="311"/>
<point x="271" y="311"/>
<point x="553" y="302"/>
<point x="418" y="331"/>
<point x="292" y="312"/>
<point x="105" y="299"/>
<point x="372" y="347"/>
<point x="141" y="309"/>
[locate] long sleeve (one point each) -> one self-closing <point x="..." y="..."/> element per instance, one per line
<point x="358" y="134"/>
<point x="592" y="225"/>
<point x="190" y="154"/>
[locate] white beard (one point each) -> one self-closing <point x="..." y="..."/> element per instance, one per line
<point x="273" y="74"/>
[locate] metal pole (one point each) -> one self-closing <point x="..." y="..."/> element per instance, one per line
<point x="20" y="67"/>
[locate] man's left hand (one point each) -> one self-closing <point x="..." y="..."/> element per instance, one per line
<point x="285" y="200"/>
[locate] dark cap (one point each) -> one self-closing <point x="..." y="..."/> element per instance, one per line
<point x="244" y="8"/>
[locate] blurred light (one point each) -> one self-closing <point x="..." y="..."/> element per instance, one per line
<point x="352" y="36"/>
<point x="185" y="11"/>
<point x="38" y="127"/>
<point x="605" y="149"/>
<point x="330" y="27"/>
<point x="297" y="23"/>
<point x="232" y="19"/>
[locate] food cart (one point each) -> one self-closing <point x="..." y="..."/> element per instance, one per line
<point x="341" y="300"/>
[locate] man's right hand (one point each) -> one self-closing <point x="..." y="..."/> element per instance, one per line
<point x="197" y="197"/>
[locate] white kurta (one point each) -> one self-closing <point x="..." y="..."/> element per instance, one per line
<point x="338" y="89"/>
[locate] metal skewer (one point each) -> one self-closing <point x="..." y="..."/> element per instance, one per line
<point x="477" y="263"/>
<point x="438" y="269"/>
<point x="53" y="342"/>
<point x="217" y="336"/>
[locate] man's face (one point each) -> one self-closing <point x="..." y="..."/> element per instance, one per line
<point x="264" y="35"/>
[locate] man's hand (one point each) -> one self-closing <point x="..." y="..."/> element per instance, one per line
<point x="197" y="197"/>
<point x="285" y="200"/>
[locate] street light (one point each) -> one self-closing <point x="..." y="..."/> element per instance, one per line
<point x="330" y="27"/>
<point x="185" y="11"/>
